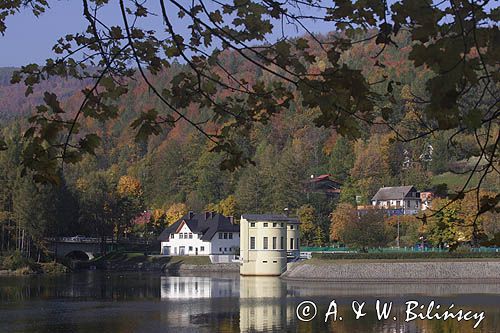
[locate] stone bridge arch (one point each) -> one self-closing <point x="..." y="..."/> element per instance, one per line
<point x="80" y="255"/>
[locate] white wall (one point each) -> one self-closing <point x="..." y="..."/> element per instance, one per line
<point x="225" y="246"/>
<point x="215" y="246"/>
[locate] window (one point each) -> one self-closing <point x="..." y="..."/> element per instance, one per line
<point x="275" y="262"/>
<point x="252" y="225"/>
<point x="190" y="235"/>
<point x="264" y="261"/>
<point x="274" y="243"/>
<point x="190" y="248"/>
<point x="252" y="243"/>
<point x="185" y="235"/>
<point x="220" y="235"/>
<point x="230" y="235"/>
<point x="181" y="236"/>
<point x="172" y="236"/>
<point x="282" y="224"/>
<point x="265" y="243"/>
<point x="225" y="249"/>
<point x="220" y="249"/>
<point x="291" y="227"/>
<point x="265" y="225"/>
<point x="291" y="243"/>
<point x="202" y="248"/>
<point x="282" y="243"/>
<point x="225" y="235"/>
<point x="274" y="225"/>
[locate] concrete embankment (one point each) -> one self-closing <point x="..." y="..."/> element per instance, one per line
<point x="435" y="271"/>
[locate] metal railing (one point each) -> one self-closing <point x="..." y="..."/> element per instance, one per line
<point x="93" y="240"/>
<point x="391" y="249"/>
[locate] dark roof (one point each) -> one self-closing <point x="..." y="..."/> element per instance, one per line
<point x="323" y="178"/>
<point x="393" y="193"/>
<point x="269" y="217"/>
<point x="324" y="184"/>
<point x="207" y="224"/>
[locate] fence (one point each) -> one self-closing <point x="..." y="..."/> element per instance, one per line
<point x="391" y="249"/>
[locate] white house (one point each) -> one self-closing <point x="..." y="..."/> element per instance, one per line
<point x="405" y="198"/>
<point x="204" y="234"/>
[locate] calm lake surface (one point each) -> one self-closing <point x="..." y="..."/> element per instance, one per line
<point x="143" y="302"/>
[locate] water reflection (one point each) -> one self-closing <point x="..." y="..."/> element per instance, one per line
<point x="263" y="304"/>
<point x="94" y="301"/>
<point x="190" y="287"/>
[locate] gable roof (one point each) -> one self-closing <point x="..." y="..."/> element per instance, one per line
<point x="207" y="224"/>
<point x="269" y="217"/>
<point x="393" y="193"/>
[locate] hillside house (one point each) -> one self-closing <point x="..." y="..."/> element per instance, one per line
<point x="207" y="233"/>
<point x="399" y="198"/>
<point x="324" y="184"/>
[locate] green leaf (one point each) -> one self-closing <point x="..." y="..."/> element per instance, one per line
<point x="90" y="143"/>
<point x="51" y="100"/>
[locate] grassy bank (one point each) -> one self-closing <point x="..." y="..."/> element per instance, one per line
<point x="138" y="257"/>
<point x="321" y="262"/>
<point x="16" y="264"/>
<point x="140" y="261"/>
<point x="406" y="255"/>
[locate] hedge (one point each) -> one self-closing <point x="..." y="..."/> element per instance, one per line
<point x="406" y="255"/>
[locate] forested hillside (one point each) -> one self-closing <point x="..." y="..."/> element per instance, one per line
<point x="132" y="187"/>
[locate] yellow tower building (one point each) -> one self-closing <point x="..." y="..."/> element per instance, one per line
<point x="265" y="241"/>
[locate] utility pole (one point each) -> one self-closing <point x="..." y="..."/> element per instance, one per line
<point x="398" y="231"/>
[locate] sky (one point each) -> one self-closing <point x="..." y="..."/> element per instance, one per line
<point x="29" y="39"/>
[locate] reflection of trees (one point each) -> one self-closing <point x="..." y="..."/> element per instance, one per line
<point x="86" y="285"/>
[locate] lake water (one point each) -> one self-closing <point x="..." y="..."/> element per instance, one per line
<point x="139" y="302"/>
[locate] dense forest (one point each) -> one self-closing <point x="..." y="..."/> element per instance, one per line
<point x="135" y="188"/>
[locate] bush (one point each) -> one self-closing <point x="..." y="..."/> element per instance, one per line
<point x="54" y="268"/>
<point x="16" y="261"/>
<point x="406" y="255"/>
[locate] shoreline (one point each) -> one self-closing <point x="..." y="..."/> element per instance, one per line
<point x="435" y="271"/>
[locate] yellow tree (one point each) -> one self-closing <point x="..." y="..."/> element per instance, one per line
<point x="130" y="203"/>
<point x="410" y="229"/>
<point x="175" y="212"/>
<point x="341" y="218"/>
<point x="306" y="216"/>
<point x="129" y="186"/>
<point x="226" y="207"/>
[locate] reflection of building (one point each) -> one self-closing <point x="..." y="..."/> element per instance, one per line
<point x="405" y="199"/>
<point x="207" y="233"/>
<point x="187" y="287"/>
<point x="263" y="305"/>
<point x="265" y="240"/>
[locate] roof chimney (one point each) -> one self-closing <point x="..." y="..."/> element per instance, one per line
<point x="191" y="214"/>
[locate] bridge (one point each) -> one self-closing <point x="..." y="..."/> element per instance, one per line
<point x="87" y="248"/>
